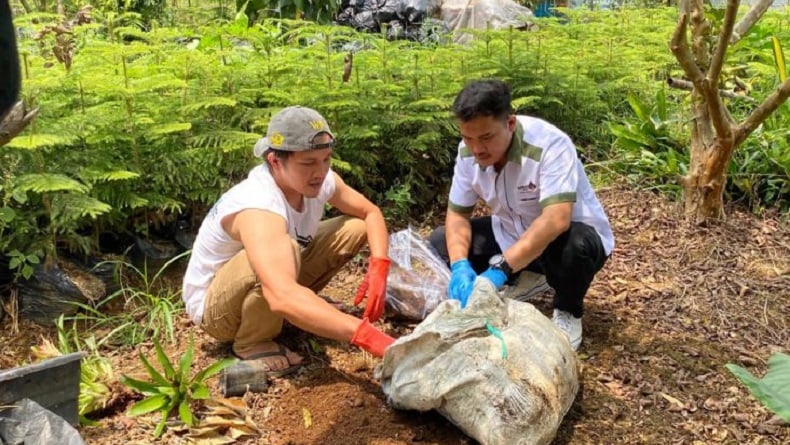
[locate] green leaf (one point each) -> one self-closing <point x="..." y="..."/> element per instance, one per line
<point x="641" y="111"/>
<point x="661" y="105"/>
<point x="170" y="373"/>
<point x="779" y="59"/>
<point x="145" y="406"/>
<point x="206" y="103"/>
<point x="213" y="369"/>
<point x="184" y="365"/>
<point x="169" y="390"/>
<point x="160" y="427"/>
<point x="773" y="390"/>
<point x="48" y="182"/>
<point x="158" y="378"/>
<point x="140" y="386"/>
<point x="71" y="207"/>
<point x="35" y="141"/>
<point x="7" y="214"/>
<point x="27" y="271"/>
<point x="114" y="175"/>
<point x="185" y="413"/>
<point x="174" y="127"/>
<point x="200" y="391"/>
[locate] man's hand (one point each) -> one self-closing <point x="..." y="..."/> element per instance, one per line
<point x="371" y="339"/>
<point x="375" y="286"/>
<point x="495" y="276"/>
<point x="461" y="281"/>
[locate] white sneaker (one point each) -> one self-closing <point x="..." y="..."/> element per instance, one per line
<point x="570" y="325"/>
<point x="527" y="285"/>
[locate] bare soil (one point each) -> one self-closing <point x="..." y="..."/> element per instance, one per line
<point x="673" y="305"/>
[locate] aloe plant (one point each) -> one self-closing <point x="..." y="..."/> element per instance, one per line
<point x="172" y="389"/>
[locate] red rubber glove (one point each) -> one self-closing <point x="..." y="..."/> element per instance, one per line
<point x="371" y="339"/>
<point x="375" y="286"/>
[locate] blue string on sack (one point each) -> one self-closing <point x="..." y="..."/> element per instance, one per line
<point x="498" y="334"/>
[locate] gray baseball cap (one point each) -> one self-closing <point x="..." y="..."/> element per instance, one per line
<point x="294" y="129"/>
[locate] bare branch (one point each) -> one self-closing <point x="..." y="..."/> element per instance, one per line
<point x="719" y="115"/>
<point x="680" y="48"/>
<point x="754" y="14"/>
<point x="761" y="113"/>
<point x="681" y="84"/>
<point x="724" y="41"/>
<point x="14" y="121"/>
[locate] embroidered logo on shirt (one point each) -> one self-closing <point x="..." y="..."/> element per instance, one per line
<point x="525" y="190"/>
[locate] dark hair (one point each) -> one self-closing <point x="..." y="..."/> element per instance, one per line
<point x="282" y="155"/>
<point x="488" y="97"/>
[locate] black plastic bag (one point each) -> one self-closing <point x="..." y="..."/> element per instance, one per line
<point x="28" y="423"/>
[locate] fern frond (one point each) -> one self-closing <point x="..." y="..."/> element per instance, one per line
<point x="35" y="141"/>
<point x="71" y="207"/>
<point x="173" y="127"/>
<point x="207" y="103"/>
<point x="228" y="140"/>
<point x="105" y="176"/>
<point x="48" y="182"/>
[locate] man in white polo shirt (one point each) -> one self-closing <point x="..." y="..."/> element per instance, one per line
<point x="263" y="252"/>
<point x="545" y="216"/>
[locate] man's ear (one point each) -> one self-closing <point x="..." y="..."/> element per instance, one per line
<point x="511" y="123"/>
<point x="274" y="160"/>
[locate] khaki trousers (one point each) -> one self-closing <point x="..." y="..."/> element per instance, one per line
<point x="235" y="308"/>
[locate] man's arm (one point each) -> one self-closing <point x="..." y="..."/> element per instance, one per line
<point x="458" y="234"/>
<point x="353" y="203"/>
<point x="270" y="251"/>
<point x="554" y="220"/>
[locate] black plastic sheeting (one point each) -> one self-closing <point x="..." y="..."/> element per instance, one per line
<point x="28" y="423"/>
<point x="403" y="19"/>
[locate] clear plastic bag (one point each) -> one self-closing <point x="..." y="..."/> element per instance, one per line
<point x="418" y="278"/>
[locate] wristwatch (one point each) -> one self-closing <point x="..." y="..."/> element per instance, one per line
<point x="498" y="261"/>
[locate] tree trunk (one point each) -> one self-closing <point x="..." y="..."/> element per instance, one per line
<point x="703" y="187"/>
<point x="714" y="133"/>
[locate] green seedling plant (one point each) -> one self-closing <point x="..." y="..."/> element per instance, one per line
<point x="147" y="307"/>
<point x="773" y="390"/>
<point x="172" y="389"/>
<point x="97" y="377"/>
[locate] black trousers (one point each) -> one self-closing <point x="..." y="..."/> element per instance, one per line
<point x="569" y="263"/>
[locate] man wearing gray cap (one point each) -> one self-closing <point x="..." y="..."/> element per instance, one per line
<point x="263" y="252"/>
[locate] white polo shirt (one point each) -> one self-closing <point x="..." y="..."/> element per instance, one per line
<point x="542" y="168"/>
<point x="213" y="246"/>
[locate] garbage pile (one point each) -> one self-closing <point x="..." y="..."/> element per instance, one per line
<point x="421" y="19"/>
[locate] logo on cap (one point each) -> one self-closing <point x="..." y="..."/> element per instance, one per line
<point x="318" y="125"/>
<point x="276" y="139"/>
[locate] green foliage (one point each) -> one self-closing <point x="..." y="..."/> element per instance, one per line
<point x="648" y="151"/>
<point x="147" y="126"/>
<point x="773" y="390"/>
<point x="321" y="11"/>
<point x="142" y="307"/>
<point x="172" y="389"/>
<point x="96" y="373"/>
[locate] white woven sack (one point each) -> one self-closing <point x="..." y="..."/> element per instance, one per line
<point x="499" y="370"/>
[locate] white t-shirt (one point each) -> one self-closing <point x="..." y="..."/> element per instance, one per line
<point x="542" y="168"/>
<point x="213" y="246"/>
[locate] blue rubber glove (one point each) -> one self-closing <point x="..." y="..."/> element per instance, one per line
<point x="495" y="276"/>
<point x="461" y="281"/>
